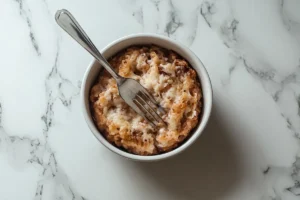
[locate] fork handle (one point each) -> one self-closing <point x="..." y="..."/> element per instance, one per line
<point x="67" y="22"/>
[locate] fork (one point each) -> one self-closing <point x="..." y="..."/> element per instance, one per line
<point x="131" y="91"/>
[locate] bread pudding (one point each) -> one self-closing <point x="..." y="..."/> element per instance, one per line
<point x="171" y="81"/>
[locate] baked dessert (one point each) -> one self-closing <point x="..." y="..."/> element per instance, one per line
<point x="171" y="81"/>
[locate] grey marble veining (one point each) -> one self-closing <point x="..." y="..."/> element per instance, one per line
<point x="25" y="13"/>
<point x="250" y="150"/>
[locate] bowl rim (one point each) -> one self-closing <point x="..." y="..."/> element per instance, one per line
<point x="197" y="132"/>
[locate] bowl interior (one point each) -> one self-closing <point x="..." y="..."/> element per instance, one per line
<point x="146" y="39"/>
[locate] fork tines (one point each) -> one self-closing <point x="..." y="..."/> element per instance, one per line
<point x="149" y="108"/>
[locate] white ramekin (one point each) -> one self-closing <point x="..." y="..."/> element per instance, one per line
<point x="138" y="39"/>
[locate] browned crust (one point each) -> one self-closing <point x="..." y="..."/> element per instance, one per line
<point x="173" y="83"/>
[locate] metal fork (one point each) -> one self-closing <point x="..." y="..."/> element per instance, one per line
<point x="133" y="93"/>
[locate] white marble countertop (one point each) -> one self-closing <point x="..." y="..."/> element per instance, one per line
<point x="249" y="151"/>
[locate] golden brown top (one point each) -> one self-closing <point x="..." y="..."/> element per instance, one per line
<point x="171" y="81"/>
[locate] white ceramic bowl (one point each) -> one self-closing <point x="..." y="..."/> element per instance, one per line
<point x="94" y="68"/>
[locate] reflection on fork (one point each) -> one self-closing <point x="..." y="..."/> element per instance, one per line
<point x="131" y="91"/>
